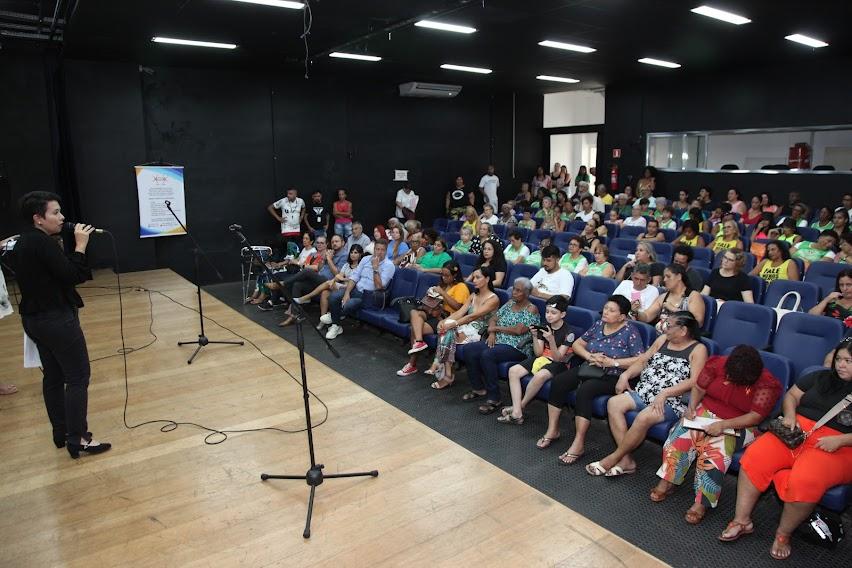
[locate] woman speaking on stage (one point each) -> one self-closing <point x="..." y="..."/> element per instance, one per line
<point x="49" y="312"/>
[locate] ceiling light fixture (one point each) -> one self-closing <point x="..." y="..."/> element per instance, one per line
<point x="276" y="3"/>
<point x="358" y="56"/>
<point x="803" y="39"/>
<point x="556" y="79"/>
<point x="444" y="27"/>
<point x="193" y="43"/>
<point x="568" y="46"/>
<point x="480" y="70"/>
<point x="659" y="62"/>
<point x="729" y="17"/>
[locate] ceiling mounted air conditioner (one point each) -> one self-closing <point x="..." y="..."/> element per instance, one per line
<point x="437" y="90"/>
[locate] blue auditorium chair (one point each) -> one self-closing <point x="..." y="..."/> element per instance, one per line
<point x="670" y="234"/>
<point x="454" y="225"/>
<point x="612" y="230"/>
<point x="525" y="233"/>
<point x="808" y="234"/>
<point x="740" y="323"/>
<point x="440" y="224"/>
<point x="808" y="291"/>
<point x="592" y="292"/>
<point x="748" y="265"/>
<point x="824" y="275"/>
<point x="451" y="237"/>
<point x="758" y="287"/>
<point x="709" y="314"/>
<point x="500" y="231"/>
<point x="628" y="232"/>
<point x="577" y="226"/>
<point x="806" y="339"/>
<point x="622" y="247"/>
<point x="518" y="271"/>
<point x="617" y="261"/>
<point x="703" y="255"/>
<point x="561" y="239"/>
<point x="404" y="284"/>
<point x="701" y="269"/>
<point x="647" y="332"/>
<point x="466" y="261"/>
<point x="388" y="318"/>
<point x="665" y="251"/>
<point x="536" y="235"/>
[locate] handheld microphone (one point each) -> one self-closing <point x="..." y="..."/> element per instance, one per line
<point x="69" y="226"/>
<point x="168" y="203"/>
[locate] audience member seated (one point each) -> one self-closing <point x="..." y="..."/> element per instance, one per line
<point x="551" y="279"/>
<point x="290" y="270"/>
<point x="586" y="213"/>
<point x="682" y="202"/>
<point x="607" y="348"/>
<point x="763" y="226"/>
<point x="845" y="254"/>
<point x="488" y="215"/>
<point x="551" y="220"/>
<point x="397" y="247"/>
<point x="689" y="235"/>
<point x="379" y="232"/>
<point x="841" y="222"/>
<point x="729" y="282"/>
<point x="734" y="393"/>
<point x="645" y="254"/>
<point x="796" y="216"/>
<point x="545" y="211"/>
<point x="534" y="259"/>
<point x="453" y="293"/>
<point x="665" y="372"/>
<point x="486" y="233"/>
<point x="516" y="252"/>
<point x="777" y="264"/>
<point x="683" y="256"/>
<point x="573" y="260"/>
<point x="823" y="222"/>
<point x="471" y="219"/>
<point x="465" y="241"/>
<point x="648" y="182"/>
<point x="736" y="202"/>
<point x="601" y="266"/>
<point x="754" y="212"/>
<point x="507" y="216"/>
<point x="415" y="250"/>
<point x="666" y="219"/>
<point x="803" y="475"/>
<point x="705" y="197"/>
<point x="357" y="237"/>
<point x="614" y="218"/>
<point x="789" y="233"/>
<point x="540" y="180"/>
<point x="679" y="297"/>
<point x="338" y="282"/>
<point x="367" y="285"/>
<point x="465" y="325"/>
<point x="551" y="347"/>
<point x="652" y="232"/>
<point x="508" y="339"/>
<point x="435" y="259"/>
<point x="636" y="218"/>
<point x="838" y="304"/>
<point x="729" y="238"/>
<point x="622" y="205"/>
<point x="591" y="234"/>
<point x="527" y="222"/>
<point x="768" y="205"/>
<point x="814" y="252"/>
<point x="637" y="289"/>
<point x="492" y="256"/>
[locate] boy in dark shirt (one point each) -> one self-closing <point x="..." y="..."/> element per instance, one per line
<point x="317" y="216"/>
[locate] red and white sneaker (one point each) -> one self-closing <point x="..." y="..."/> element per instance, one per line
<point x="409" y="369"/>
<point x="417" y="347"/>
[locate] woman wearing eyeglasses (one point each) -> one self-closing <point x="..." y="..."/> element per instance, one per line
<point x="729" y="282"/>
<point x="803" y="475"/>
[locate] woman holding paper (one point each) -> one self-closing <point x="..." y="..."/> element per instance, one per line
<point x="732" y="394"/>
<point x="49" y="312"/>
<point x="803" y="475"/>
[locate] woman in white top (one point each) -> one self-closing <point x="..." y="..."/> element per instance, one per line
<point x="488" y="215"/>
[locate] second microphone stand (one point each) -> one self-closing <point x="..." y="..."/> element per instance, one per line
<point x="314" y="476"/>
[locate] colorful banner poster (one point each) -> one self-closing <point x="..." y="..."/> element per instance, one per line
<point x="156" y="185"/>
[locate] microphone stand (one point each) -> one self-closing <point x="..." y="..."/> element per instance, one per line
<point x="202" y="340"/>
<point x="314" y="475"/>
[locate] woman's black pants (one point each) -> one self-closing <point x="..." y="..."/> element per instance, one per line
<point x="587" y="391"/>
<point x="65" y="364"/>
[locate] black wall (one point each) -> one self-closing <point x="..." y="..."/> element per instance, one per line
<point x="244" y="137"/>
<point x="753" y="98"/>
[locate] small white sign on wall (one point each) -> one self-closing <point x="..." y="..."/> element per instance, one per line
<point x="400" y="175"/>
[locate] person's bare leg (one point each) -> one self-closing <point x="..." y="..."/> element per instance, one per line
<point x="534" y="386"/>
<point x="631" y="440"/>
<point x="315" y="292"/>
<point x="324" y="296"/>
<point x="553" y="414"/>
<point x="793" y="515"/>
<point x="418" y="319"/>
<point x="515" y="374"/>
<point x="747" y="497"/>
<point x="616" y="408"/>
<point x="7" y="389"/>
<point x="425" y="329"/>
<point x="578" y="445"/>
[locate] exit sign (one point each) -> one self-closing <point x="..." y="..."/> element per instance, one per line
<point x="616" y="152"/>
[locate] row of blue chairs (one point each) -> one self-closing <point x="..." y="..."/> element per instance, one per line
<point x="803" y="339"/>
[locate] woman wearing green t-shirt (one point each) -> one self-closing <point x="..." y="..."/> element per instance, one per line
<point x="466" y="239"/>
<point x="517" y="251"/>
<point x="573" y="260"/>
<point x="824" y="222"/>
<point x="434" y="260"/>
<point x="601" y="266"/>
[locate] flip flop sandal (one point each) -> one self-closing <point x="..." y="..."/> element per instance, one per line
<point x="782" y="539"/>
<point x="544" y="442"/>
<point x="506" y="410"/>
<point x="437" y="384"/>
<point x="509" y="419"/>
<point x="742" y="529"/>
<point x="694" y="517"/>
<point x="489" y="406"/>
<point x="471" y="395"/>
<point x="658" y="496"/>
<point x="618" y="471"/>
<point x="595" y="469"/>
<point x="569" y="459"/>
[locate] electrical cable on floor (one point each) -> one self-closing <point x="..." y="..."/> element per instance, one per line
<point x="169" y="424"/>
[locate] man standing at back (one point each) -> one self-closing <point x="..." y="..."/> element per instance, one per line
<point x="488" y="186"/>
<point x="318" y="217"/>
<point x="292" y="214"/>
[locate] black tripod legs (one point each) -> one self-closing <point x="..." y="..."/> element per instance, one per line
<point x="315" y="477"/>
<point x="203" y="341"/>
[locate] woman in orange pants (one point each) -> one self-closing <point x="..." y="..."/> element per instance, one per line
<point x="801" y="476"/>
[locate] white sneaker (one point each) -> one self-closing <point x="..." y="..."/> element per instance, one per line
<point x="333" y="331"/>
<point x="325" y="319"/>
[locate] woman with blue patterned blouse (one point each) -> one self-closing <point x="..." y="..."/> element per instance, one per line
<point x="508" y="339"/>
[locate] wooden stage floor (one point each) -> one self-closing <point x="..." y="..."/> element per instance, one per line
<point x="167" y="499"/>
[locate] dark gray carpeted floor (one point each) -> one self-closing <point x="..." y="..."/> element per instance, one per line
<point x="620" y="505"/>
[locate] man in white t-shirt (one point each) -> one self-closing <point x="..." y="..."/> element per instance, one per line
<point x="405" y="199"/>
<point x="292" y="214"/>
<point x="638" y="290"/>
<point x="551" y="279"/>
<point x="488" y="186"/>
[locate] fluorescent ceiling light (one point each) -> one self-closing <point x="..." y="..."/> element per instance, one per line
<point x="568" y="46"/>
<point x="193" y="43"/>
<point x="659" y="62"/>
<point x="556" y="79"/>
<point x="720" y="15"/>
<point x="809" y="41"/>
<point x="358" y="56"/>
<point x="465" y="68"/>
<point x="445" y="27"/>
<point x="276" y="3"/>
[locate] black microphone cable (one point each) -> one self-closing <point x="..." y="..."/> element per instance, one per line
<point x="169" y="425"/>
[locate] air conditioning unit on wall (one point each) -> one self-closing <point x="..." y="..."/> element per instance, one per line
<point x="437" y="90"/>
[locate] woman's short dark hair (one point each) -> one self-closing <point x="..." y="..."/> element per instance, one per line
<point x="622" y="303"/>
<point x="688" y="321"/>
<point x="455" y="270"/>
<point x="440" y="240"/>
<point x="845" y="273"/>
<point x="695" y="214"/>
<point x="490" y="273"/>
<point x="744" y="365"/>
<point x="690" y="224"/>
<point x="516" y="235"/>
<point x="578" y="240"/>
<point x="35" y="203"/>
<point x="784" y="250"/>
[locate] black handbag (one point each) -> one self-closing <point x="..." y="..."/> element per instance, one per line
<point x="588" y="371"/>
<point x="406" y="305"/>
<point x="791" y="438"/>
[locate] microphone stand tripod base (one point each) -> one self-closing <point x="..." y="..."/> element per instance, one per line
<point x="315" y="477"/>
<point x="202" y="341"/>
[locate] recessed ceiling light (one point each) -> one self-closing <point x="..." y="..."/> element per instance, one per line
<point x="465" y="68"/>
<point x="358" y="56"/>
<point x="659" y="62"/>
<point x="276" y="3"/>
<point x="720" y="15"/>
<point x="556" y="79"/>
<point x="568" y="46"/>
<point x="809" y="41"/>
<point x="193" y="43"/>
<point x="444" y="27"/>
